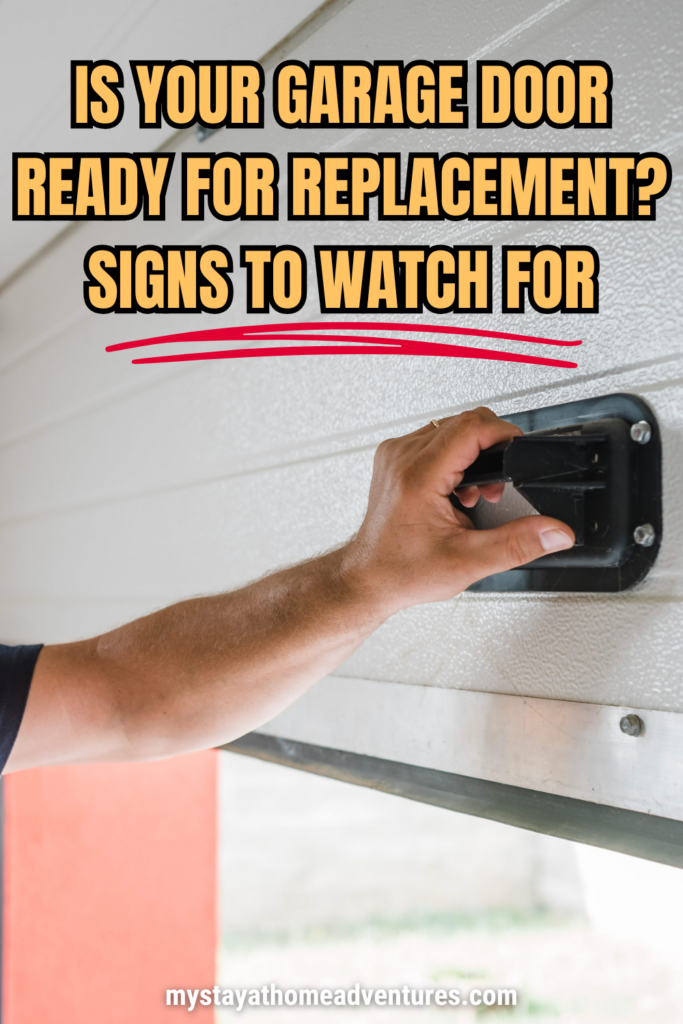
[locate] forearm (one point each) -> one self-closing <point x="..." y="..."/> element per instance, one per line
<point x="205" y="671"/>
<point x="210" y="669"/>
<point x="198" y="673"/>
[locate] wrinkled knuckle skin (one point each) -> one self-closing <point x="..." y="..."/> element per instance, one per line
<point x="384" y="451"/>
<point x="475" y="417"/>
<point x="482" y="416"/>
<point x="409" y="478"/>
<point x="518" y="551"/>
<point x="467" y="419"/>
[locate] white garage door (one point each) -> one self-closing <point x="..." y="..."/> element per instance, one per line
<point x="128" y="486"/>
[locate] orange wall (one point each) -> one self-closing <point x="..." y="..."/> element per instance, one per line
<point x="110" y="891"/>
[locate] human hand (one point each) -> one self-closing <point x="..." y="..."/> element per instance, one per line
<point x="413" y="546"/>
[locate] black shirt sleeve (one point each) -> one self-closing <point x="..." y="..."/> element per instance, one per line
<point x="16" y="672"/>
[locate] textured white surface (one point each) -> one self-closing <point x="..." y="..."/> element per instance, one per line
<point x="125" y="487"/>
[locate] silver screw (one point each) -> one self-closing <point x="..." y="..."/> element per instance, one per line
<point x="204" y="133"/>
<point x="632" y="725"/>
<point x="641" y="432"/>
<point x="645" y="535"/>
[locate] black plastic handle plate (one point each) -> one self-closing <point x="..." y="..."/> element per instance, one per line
<point x="568" y="572"/>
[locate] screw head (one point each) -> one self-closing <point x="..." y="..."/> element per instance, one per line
<point x="641" y="432"/>
<point x="644" y="535"/>
<point x="632" y="725"/>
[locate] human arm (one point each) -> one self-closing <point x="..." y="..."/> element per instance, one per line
<point x="204" y="671"/>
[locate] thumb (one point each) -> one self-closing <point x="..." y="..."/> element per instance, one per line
<point x="514" y="544"/>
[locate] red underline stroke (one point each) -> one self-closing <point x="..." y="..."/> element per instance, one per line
<point x="240" y="333"/>
<point x="409" y="348"/>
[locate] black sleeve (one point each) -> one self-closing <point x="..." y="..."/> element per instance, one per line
<point x="16" y="671"/>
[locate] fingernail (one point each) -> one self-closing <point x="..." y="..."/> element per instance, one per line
<point x="555" y="540"/>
